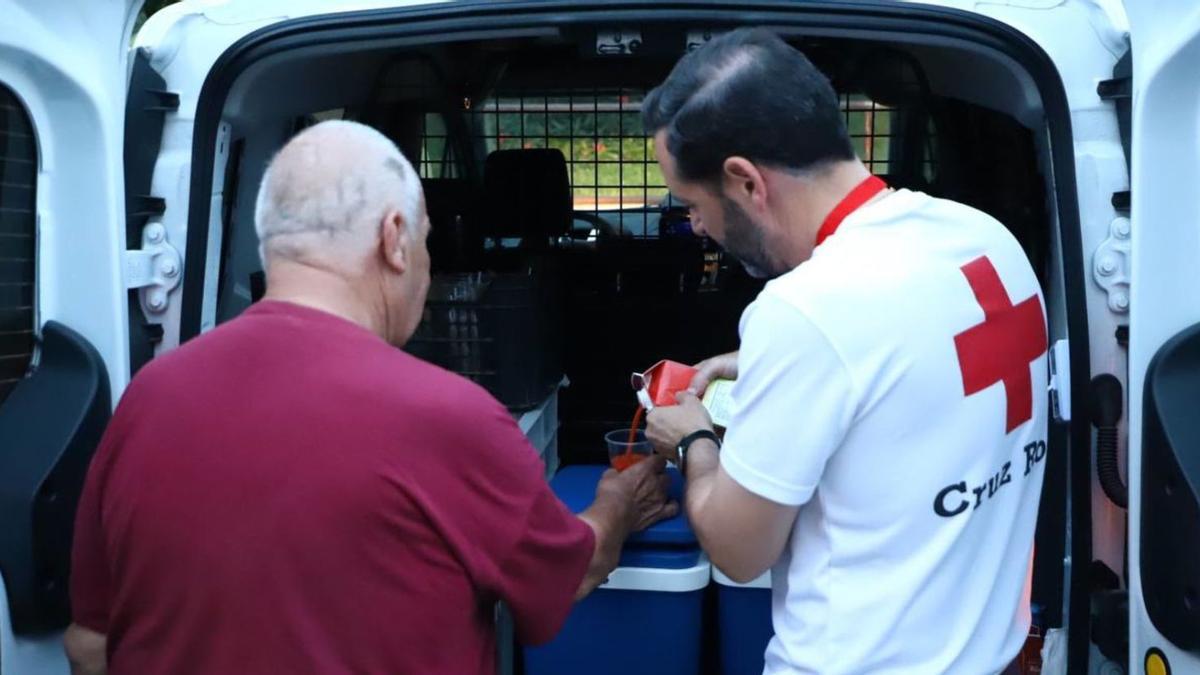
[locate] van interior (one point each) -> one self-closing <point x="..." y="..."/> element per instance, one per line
<point x="560" y="261"/>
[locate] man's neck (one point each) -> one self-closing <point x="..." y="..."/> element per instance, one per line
<point x="830" y="189"/>
<point x="324" y="289"/>
<point x="821" y="194"/>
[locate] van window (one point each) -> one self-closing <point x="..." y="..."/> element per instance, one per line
<point x="18" y="173"/>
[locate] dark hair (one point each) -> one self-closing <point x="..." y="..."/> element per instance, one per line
<point x="747" y="93"/>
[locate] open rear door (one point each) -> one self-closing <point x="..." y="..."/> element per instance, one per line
<point x="1164" y="462"/>
<point x="64" y="337"/>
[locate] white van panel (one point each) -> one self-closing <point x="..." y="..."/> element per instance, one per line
<point x="1166" y="244"/>
<point x="66" y="62"/>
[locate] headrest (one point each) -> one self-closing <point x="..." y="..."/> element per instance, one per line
<point x="526" y="194"/>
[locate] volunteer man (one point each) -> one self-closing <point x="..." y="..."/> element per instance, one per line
<point x="291" y="493"/>
<point x="885" y="455"/>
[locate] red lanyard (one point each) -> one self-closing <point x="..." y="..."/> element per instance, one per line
<point x="860" y="195"/>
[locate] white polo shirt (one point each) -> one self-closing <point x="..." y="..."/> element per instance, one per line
<point x="895" y="386"/>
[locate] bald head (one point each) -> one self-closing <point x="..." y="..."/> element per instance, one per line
<point x="324" y="194"/>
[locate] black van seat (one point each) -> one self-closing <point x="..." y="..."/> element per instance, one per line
<point x="526" y="196"/>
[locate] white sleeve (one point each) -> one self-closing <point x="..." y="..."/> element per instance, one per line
<point x="792" y="404"/>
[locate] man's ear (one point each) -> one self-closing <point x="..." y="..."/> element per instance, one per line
<point x="394" y="242"/>
<point x="743" y="182"/>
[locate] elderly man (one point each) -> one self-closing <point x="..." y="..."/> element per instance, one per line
<point x="291" y="493"/>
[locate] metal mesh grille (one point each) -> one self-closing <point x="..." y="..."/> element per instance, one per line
<point x="870" y="128"/>
<point x="611" y="159"/>
<point x="613" y="169"/>
<point x="437" y="153"/>
<point x="18" y="172"/>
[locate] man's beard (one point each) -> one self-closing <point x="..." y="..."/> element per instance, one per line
<point x="745" y="242"/>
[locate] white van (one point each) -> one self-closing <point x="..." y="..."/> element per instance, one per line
<point x="128" y="166"/>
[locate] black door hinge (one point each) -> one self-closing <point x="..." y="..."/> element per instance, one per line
<point x="1119" y="90"/>
<point x="1118" y="87"/>
<point x="158" y="100"/>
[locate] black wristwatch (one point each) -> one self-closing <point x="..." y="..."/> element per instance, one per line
<point x="686" y="443"/>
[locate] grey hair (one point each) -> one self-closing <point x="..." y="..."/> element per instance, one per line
<point x="328" y="188"/>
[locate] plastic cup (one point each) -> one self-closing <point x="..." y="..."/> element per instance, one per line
<point x="621" y="453"/>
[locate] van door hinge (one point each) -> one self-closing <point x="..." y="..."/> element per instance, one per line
<point x="147" y="107"/>
<point x="1111" y="264"/>
<point x="1060" y="380"/>
<point x="154" y="270"/>
<point x="1119" y="87"/>
<point x="1119" y="90"/>
<point x="159" y="100"/>
<point x="1122" y="201"/>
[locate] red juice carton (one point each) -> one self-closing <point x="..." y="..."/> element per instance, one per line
<point x="659" y="385"/>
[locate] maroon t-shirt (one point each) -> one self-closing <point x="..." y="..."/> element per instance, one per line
<point x="290" y="494"/>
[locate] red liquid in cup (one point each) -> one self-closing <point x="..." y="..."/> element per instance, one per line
<point x="629" y="457"/>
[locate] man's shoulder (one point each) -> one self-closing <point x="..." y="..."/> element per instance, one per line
<point x="895" y="285"/>
<point x="951" y="225"/>
<point x="386" y="376"/>
<point x="911" y="247"/>
<point x="830" y="285"/>
<point x="164" y="370"/>
<point x="777" y="315"/>
<point x="433" y="385"/>
<point x="395" y="381"/>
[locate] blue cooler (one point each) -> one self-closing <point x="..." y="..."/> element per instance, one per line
<point x="743" y="623"/>
<point x="647" y="617"/>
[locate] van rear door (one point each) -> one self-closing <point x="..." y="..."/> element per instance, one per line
<point x="64" y="336"/>
<point x="1164" y="342"/>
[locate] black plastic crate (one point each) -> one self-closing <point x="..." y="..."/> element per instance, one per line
<point x="500" y="330"/>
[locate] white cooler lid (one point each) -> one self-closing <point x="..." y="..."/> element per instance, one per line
<point x="763" y="581"/>
<point x="683" y="580"/>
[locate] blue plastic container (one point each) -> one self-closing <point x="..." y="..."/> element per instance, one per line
<point x="743" y="623"/>
<point x="619" y="628"/>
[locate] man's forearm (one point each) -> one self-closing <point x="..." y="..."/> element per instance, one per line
<point x="609" y="522"/>
<point x="742" y="533"/>
<point x="703" y="460"/>
<point x="724" y="547"/>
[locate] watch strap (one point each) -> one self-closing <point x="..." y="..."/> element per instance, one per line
<point x="686" y="442"/>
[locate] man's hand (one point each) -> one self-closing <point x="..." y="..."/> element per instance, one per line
<point x="626" y="502"/>
<point x="87" y="650"/>
<point x="643" y="489"/>
<point x="715" y="368"/>
<point x="667" y="425"/>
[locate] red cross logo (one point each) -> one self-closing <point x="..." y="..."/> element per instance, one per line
<point x="1001" y="348"/>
